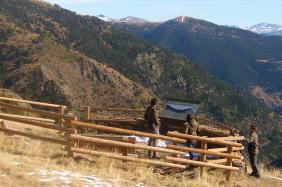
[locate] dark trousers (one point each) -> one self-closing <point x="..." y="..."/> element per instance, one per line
<point x="254" y="162"/>
<point x="191" y="144"/>
<point x="153" y="142"/>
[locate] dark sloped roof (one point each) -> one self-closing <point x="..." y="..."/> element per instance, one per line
<point x="178" y="109"/>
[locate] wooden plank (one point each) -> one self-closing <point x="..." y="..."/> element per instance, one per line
<point x="194" y="150"/>
<point x="33" y="136"/>
<point x="224" y="149"/>
<point x="35" y="123"/>
<point x="28" y="117"/>
<point x="125" y="131"/>
<point x="115" y="109"/>
<point x="31" y="102"/>
<point x="129" y="121"/>
<point x="216" y="123"/>
<point x="36" y="111"/>
<point x="230" y="138"/>
<point x="199" y="138"/>
<point x="126" y="158"/>
<point x="218" y="161"/>
<point x="123" y="144"/>
<point x="198" y="163"/>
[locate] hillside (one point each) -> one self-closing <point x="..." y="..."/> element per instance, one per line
<point x="238" y="57"/>
<point x="233" y="55"/>
<point x="166" y="74"/>
<point x="38" y="67"/>
<point x="29" y="162"/>
<point x="44" y="58"/>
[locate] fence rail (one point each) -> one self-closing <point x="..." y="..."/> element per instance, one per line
<point x="68" y="125"/>
<point x="31" y="102"/>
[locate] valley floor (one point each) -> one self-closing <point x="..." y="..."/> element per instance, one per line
<point x="26" y="162"/>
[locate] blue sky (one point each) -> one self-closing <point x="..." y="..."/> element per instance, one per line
<point x="232" y="12"/>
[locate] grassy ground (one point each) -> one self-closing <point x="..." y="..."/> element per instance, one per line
<point x="23" y="162"/>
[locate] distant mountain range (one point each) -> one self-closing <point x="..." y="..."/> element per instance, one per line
<point x="236" y="56"/>
<point x="261" y="28"/>
<point x="52" y="54"/>
<point x="77" y="59"/>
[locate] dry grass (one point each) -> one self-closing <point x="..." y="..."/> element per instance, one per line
<point x="19" y="156"/>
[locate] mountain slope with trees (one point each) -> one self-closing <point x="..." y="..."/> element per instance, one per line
<point x="233" y="55"/>
<point x="64" y="49"/>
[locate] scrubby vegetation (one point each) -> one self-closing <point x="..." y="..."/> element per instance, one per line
<point x="52" y="54"/>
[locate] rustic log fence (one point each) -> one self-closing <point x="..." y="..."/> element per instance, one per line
<point x="68" y="125"/>
<point x="88" y="110"/>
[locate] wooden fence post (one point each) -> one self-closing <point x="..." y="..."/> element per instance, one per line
<point x="229" y="162"/>
<point x="71" y="142"/>
<point x="204" y="146"/>
<point x="88" y="110"/>
<point x="61" y="120"/>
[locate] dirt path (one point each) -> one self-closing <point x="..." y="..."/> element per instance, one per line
<point x="264" y="181"/>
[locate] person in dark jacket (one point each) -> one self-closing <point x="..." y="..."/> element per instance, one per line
<point x="253" y="143"/>
<point x="191" y="128"/>
<point x="151" y="117"/>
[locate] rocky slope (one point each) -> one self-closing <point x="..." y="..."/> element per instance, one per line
<point x="52" y="54"/>
<point x="37" y="67"/>
<point x="166" y="74"/>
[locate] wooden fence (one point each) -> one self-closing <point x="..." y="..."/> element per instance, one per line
<point x="68" y="125"/>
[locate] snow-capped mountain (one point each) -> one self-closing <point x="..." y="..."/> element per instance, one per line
<point x="128" y="19"/>
<point x="133" y="20"/>
<point x="266" y="28"/>
<point x="106" y="18"/>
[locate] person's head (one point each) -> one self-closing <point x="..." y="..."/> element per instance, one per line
<point x="190" y="116"/>
<point x="154" y="101"/>
<point x="253" y="128"/>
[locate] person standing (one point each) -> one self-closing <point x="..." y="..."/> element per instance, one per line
<point x="151" y="117"/>
<point x="253" y="143"/>
<point x="191" y="128"/>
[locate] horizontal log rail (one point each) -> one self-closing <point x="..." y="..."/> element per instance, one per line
<point x="123" y="144"/>
<point x="224" y="149"/>
<point x="194" y="150"/>
<point x="198" y="163"/>
<point x="31" y="102"/>
<point x="199" y="138"/>
<point x="36" y="111"/>
<point x="33" y="136"/>
<point x="125" y="131"/>
<point x="216" y="123"/>
<point x="116" y="120"/>
<point x="28" y="117"/>
<point x="220" y="161"/>
<point x="126" y="158"/>
<point x="230" y="138"/>
<point x="36" y="123"/>
<point x="114" y="109"/>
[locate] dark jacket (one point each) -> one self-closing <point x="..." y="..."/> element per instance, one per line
<point x="192" y="127"/>
<point x="253" y="142"/>
<point x="151" y="117"/>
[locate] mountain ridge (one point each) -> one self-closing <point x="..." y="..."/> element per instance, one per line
<point x="88" y="40"/>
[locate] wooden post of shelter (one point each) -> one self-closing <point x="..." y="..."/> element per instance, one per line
<point x="88" y="112"/>
<point x="204" y="146"/>
<point x="229" y="162"/>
